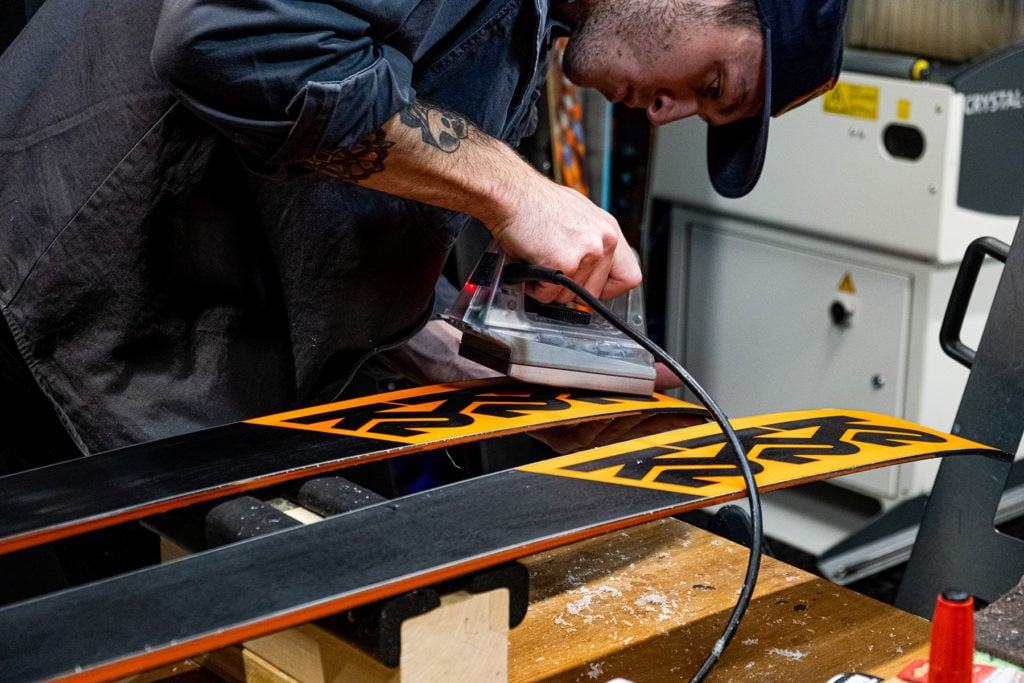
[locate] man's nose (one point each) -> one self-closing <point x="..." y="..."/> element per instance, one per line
<point x="665" y="109"/>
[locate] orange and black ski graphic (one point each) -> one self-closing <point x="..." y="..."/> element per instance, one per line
<point x="781" y="448"/>
<point x="70" y="498"/>
<point x="162" y="614"/>
<point x="432" y="415"/>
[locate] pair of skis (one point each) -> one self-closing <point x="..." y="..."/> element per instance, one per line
<point x="164" y="613"/>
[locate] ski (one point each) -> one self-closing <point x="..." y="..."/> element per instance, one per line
<point x="73" y="497"/>
<point x="205" y="601"/>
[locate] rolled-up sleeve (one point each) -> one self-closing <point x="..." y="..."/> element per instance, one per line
<point x="285" y="78"/>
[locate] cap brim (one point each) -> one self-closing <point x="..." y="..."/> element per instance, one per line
<point x="736" y="150"/>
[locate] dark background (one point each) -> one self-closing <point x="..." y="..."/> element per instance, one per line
<point x="13" y="15"/>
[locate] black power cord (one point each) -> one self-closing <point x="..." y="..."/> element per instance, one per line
<point x="524" y="272"/>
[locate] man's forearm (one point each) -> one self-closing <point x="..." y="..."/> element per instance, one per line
<point x="435" y="156"/>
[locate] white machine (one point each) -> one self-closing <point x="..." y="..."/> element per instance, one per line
<point x="826" y="285"/>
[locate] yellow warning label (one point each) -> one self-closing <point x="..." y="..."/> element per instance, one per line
<point x="853" y="99"/>
<point x="846" y="284"/>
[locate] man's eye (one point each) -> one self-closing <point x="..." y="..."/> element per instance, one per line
<point x="715" y="89"/>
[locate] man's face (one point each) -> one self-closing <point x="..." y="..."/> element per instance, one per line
<point x="648" y="55"/>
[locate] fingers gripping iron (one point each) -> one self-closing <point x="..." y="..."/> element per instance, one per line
<point x="561" y="344"/>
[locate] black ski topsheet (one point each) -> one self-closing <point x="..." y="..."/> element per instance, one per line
<point x="164" y="613"/>
<point x="80" y="495"/>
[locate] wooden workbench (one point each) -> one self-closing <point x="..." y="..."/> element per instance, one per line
<point x="644" y="604"/>
<point x="647" y="604"/>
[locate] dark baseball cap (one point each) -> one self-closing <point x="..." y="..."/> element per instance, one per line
<point x="803" y="52"/>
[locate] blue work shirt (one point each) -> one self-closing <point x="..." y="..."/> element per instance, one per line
<point x="166" y="264"/>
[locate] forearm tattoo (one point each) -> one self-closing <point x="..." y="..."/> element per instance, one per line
<point x="354" y="163"/>
<point x="439" y="127"/>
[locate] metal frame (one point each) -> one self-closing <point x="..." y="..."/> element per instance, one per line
<point x="958" y="545"/>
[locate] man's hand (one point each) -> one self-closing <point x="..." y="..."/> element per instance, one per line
<point x="601" y="432"/>
<point x="555" y="226"/>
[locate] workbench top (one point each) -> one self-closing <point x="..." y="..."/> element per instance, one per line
<point x="647" y="604"/>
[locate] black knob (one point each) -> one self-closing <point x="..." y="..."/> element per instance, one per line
<point x="840" y="313"/>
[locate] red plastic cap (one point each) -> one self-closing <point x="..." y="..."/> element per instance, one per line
<point x="951" y="658"/>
